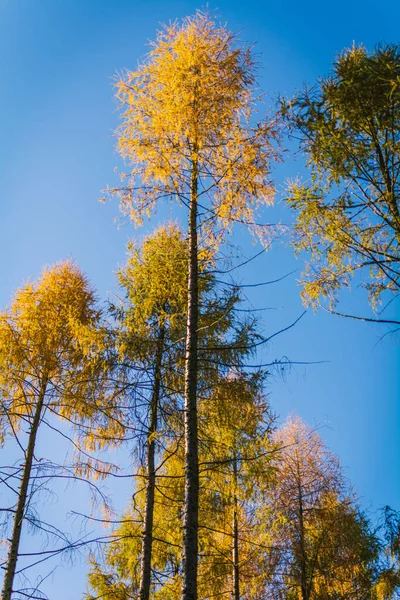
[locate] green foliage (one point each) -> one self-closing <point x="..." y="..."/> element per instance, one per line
<point x="348" y="215"/>
<point x="153" y="283"/>
<point x="154" y="280"/>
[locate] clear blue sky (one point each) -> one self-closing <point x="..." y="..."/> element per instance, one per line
<point x="57" y="62"/>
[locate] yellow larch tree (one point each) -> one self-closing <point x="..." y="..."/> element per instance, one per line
<point x="235" y="471"/>
<point x="322" y="546"/>
<point x="49" y="341"/>
<point x="187" y="135"/>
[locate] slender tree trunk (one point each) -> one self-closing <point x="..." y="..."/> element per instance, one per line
<point x="303" y="555"/>
<point x="22" y="497"/>
<point x="147" y="542"/>
<point x="235" y="545"/>
<point x="191" y="506"/>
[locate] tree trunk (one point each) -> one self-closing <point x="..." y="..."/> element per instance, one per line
<point x="22" y="497"/>
<point x="235" y="545"/>
<point x="191" y="506"/>
<point x="303" y="555"/>
<point x="147" y="542"/>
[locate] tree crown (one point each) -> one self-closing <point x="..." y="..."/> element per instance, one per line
<point x="189" y="106"/>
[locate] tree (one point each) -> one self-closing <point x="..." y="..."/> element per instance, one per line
<point x="348" y="216"/>
<point x="48" y="338"/>
<point x="235" y="453"/>
<point x="186" y="132"/>
<point x="150" y="325"/>
<point x="322" y="545"/>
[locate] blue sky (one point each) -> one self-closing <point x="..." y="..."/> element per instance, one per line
<point x="58" y="59"/>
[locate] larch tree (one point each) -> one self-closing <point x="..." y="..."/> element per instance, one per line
<point x="321" y="545"/>
<point x="187" y="133"/>
<point x="348" y="216"/>
<point x="235" y="457"/>
<point x="49" y="340"/>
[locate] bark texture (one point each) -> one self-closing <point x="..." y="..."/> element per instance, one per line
<point x="147" y="543"/>
<point x="191" y="506"/>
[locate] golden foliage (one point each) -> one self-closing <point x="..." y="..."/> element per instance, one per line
<point x="231" y="424"/>
<point x="51" y="344"/>
<point x="187" y="109"/>
<point x="322" y="545"/>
